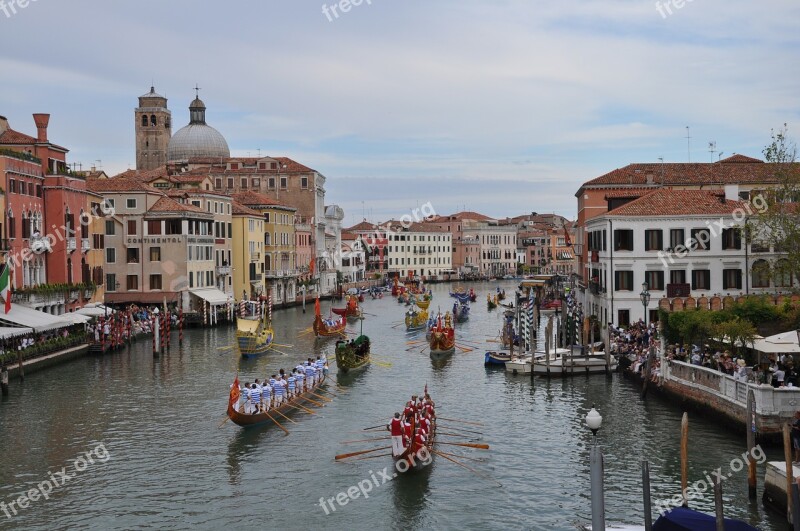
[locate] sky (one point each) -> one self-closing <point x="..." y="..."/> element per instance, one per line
<point x="503" y="107"/>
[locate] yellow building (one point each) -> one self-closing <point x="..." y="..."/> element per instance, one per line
<point x="248" y="251"/>
<point x="95" y="255"/>
<point x="281" y="269"/>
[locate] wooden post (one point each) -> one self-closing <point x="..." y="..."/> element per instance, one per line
<point x="4" y="380"/>
<point x="648" y="510"/>
<point x="608" y="350"/>
<point x="752" y="481"/>
<point x="180" y="326"/>
<point x="787" y="455"/>
<point x="796" y="503"/>
<point x="21" y="366"/>
<point x="720" y="517"/>
<point x="685" y="457"/>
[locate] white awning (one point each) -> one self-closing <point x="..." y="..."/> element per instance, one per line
<point x="95" y="310"/>
<point x="785" y="343"/>
<point x="7" y="332"/>
<point x="211" y="295"/>
<point x="75" y="318"/>
<point x="28" y="317"/>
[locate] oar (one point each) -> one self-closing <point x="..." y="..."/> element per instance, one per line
<point x="462" y="430"/>
<point x="478" y="459"/>
<point x="461" y="421"/>
<point x="304" y="397"/>
<point x="284" y="416"/>
<point x="276" y="422"/>
<point x="465" y="466"/>
<point x="331" y="393"/>
<point x="353" y="454"/>
<point x="223" y="422"/>
<point x="301" y="408"/>
<point x="465" y="350"/>
<point x="373" y="427"/>
<point x="284" y="346"/>
<point x="367" y="440"/>
<point x="225" y="348"/>
<point x="381" y="363"/>
<point x="278" y="351"/>
<point x="321" y="397"/>
<point x="454" y="435"/>
<point x="467" y="445"/>
<point x="369" y="457"/>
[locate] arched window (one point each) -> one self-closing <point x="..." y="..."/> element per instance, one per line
<point x="760" y="274"/>
<point x="153" y="120"/>
<point x="783" y="273"/>
<point x="12" y="226"/>
<point x="144" y="120"/>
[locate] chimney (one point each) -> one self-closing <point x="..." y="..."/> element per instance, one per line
<point x="3" y="124"/>
<point x="42" y="120"/>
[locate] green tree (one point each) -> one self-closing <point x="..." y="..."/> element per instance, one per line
<point x="740" y="333"/>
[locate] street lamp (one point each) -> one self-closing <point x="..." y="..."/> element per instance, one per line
<point x="593" y="421"/>
<point x="644" y="296"/>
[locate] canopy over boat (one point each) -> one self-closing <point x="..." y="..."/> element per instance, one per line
<point x="683" y="519"/>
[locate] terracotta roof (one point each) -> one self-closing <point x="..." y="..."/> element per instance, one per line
<point x="363" y="226"/>
<point x="668" y="202"/>
<point x="347" y="235"/>
<point x="10" y="136"/>
<point x="241" y="210"/>
<point x="257" y="199"/>
<point x="188" y="178"/>
<point x="737" y="169"/>
<point x="627" y="192"/>
<point x="119" y="184"/>
<point x="250" y="164"/>
<point x="193" y="192"/>
<point x="467" y="214"/>
<point x="144" y="175"/>
<point x="166" y="204"/>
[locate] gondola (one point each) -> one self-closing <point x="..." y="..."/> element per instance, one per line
<point x="496" y="358"/>
<point x="443" y="338"/>
<point x="247" y="420"/>
<point x="254" y="334"/>
<point x="351" y="309"/>
<point x="327" y="327"/>
<point x="461" y="311"/>
<point x="352" y="355"/>
<point x="491" y="304"/>
<point x="416" y="320"/>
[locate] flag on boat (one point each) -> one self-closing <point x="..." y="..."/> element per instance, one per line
<point x="5" y="287"/>
<point x="316" y="307"/>
<point x="234" y="398"/>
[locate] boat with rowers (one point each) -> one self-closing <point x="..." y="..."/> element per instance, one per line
<point x="443" y="338"/>
<point x="254" y="334"/>
<point x="353" y="355"/>
<point x="414" y="434"/>
<point x="416" y="320"/>
<point x="351" y="311"/>
<point x="327" y="327"/>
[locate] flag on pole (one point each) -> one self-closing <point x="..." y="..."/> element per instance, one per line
<point x="5" y="287"/>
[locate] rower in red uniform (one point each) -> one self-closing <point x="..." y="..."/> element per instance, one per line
<point x="419" y="439"/>
<point x="395" y="426"/>
<point x="407" y="431"/>
<point x="408" y="411"/>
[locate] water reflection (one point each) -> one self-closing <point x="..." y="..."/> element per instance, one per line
<point x="410" y="492"/>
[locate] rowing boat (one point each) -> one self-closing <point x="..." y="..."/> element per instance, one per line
<point x="247" y="420"/>
<point x="352" y="355"/>
<point x="254" y="334"/>
<point x="327" y="327"/>
<point x="443" y="338"/>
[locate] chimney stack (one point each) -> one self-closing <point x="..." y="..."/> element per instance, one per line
<point x="42" y="121"/>
<point x="3" y="124"/>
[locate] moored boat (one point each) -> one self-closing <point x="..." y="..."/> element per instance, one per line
<point x="352" y="355"/>
<point x="254" y="334"/>
<point x="496" y="358"/>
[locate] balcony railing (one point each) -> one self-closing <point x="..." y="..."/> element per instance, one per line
<point x="678" y="290"/>
<point x="85" y="246"/>
<point x="71" y="244"/>
<point x="282" y="273"/>
<point x="223" y="270"/>
<point x="39" y="244"/>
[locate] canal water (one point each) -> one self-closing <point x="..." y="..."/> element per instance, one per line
<point x="160" y="456"/>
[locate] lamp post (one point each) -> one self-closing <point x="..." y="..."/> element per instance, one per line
<point x="593" y="421"/>
<point x="644" y="296"/>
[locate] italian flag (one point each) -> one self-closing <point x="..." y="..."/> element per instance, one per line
<point x="5" y="287"/>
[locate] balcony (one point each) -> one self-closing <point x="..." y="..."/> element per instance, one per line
<point x="282" y="273"/>
<point x="85" y="246"/>
<point x="223" y="270"/>
<point x="39" y="245"/>
<point x="71" y="244"/>
<point x="595" y="289"/>
<point x="678" y="290"/>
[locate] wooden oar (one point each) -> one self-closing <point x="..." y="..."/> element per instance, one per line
<point x="276" y="422"/>
<point x="381" y="363"/>
<point x="278" y="351"/>
<point x="462" y="430"/>
<point x="284" y="416"/>
<point x="301" y="408"/>
<point x="304" y="397"/>
<point x="322" y="397"/>
<point x="353" y="454"/>
<point x="465" y="350"/>
<point x="225" y="348"/>
<point x="461" y="421"/>
<point x="465" y="466"/>
<point x="223" y="422"/>
<point x="284" y="346"/>
<point x="478" y="459"/>
<point x="369" y="457"/>
<point x="367" y="440"/>
<point x="331" y="393"/>
<point x="467" y="445"/>
<point x="374" y="427"/>
<point x="454" y="435"/>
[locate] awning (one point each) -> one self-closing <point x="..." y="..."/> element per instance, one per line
<point x="28" y="317"/>
<point x="139" y="297"/>
<point x="75" y="318"/>
<point x="785" y="343"/>
<point x="95" y="310"/>
<point x="211" y="295"/>
<point x="7" y="332"/>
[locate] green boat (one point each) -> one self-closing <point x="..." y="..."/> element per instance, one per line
<point x="352" y="355"/>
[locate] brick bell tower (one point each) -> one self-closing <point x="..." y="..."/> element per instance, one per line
<point x="153" y="123"/>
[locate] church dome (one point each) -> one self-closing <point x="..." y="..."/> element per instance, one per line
<point x="197" y="139"/>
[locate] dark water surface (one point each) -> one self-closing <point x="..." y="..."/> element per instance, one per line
<point x="171" y="466"/>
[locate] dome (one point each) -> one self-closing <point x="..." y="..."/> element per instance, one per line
<point x="197" y="140"/>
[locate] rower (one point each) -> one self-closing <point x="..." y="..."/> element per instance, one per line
<point x="255" y="397"/>
<point x="309" y="375"/>
<point x="266" y="396"/>
<point x="395" y="427"/>
<point x="279" y="391"/>
<point x="300" y="378"/>
<point x="292" y="384"/>
<point x="245" y="395"/>
<point x="408" y="411"/>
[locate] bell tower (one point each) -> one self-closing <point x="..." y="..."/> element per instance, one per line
<point x="153" y="123"/>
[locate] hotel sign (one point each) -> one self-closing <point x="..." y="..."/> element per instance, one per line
<point x="162" y="239"/>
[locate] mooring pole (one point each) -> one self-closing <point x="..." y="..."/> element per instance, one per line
<point x="648" y="510"/>
<point x="685" y="458"/>
<point x="720" y="517"/>
<point x="752" y="480"/>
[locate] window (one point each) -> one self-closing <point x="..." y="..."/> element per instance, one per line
<point x="623" y="317"/>
<point x="759" y="246"/>
<point x="676" y="238"/>
<point x="623" y="240"/>
<point x="155" y="254"/>
<point x="256" y="183"/>
<point x="623" y="280"/>
<point x="677" y="276"/>
<point x="218" y="183"/>
<point x="230" y="230"/>
<point x="271" y="183"/>
<point x="12" y="186"/>
<point x="783" y="273"/>
<point x="196" y="203"/>
<point x="111" y="255"/>
<point x="655" y="280"/>
<point x="155" y="281"/>
<point x="111" y="282"/>
<point x="110" y="227"/>
<point x="653" y="240"/>
<point x="133" y="255"/>
<point x="130" y="203"/>
<point x="110" y="205"/>
<point x="154" y="226"/>
<point x="731" y="239"/>
<point x="284" y="182"/>
<point x="191" y="279"/>
<point x="132" y="282"/>
<point x="732" y="279"/>
<point x="173" y="226"/>
<point x="132" y="227"/>
<point x="304" y="183"/>
<point x="98" y="241"/>
<point x="761" y="273"/>
<point x="230" y="182"/>
<point x="153" y="121"/>
<point x="144" y="120"/>
<point x="700" y="240"/>
<point x="701" y="279"/>
<point x="244" y="182"/>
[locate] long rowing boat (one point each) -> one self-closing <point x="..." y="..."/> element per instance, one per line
<point x="247" y="420"/>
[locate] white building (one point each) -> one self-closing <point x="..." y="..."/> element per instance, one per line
<point x="683" y="243"/>
<point x="498" y="247"/>
<point x="353" y="266"/>
<point x="420" y="249"/>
